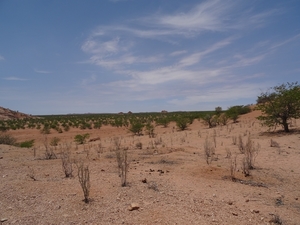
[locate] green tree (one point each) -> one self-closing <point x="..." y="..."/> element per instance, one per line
<point x="210" y="120"/>
<point x="234" y="112"/>
<point x="182" y="122"/>
<point x="279" y="105"/>
<point x="136" y="127"/>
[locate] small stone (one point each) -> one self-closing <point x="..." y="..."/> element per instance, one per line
<point x="230" y="203"/>
<point x="254" y="211"/>
<point x="3" y="220"/>
<point x="235" y="214"/>
<point x="247" y="200"/>
<point x="144" y="180"/>
<point x="133" y="206"/>
<point x="214" y="195"/>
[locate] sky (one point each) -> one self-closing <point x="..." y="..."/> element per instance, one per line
<point x="110" y="56"/>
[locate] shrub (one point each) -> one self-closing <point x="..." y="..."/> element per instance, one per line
<point x="136" y="127"/>
<point x="210" y="120"/>
<point x="209" y="151"/>
<point x="122" y="161"/>
<point x="233" y="165"/>
<point x="66" y="161"/>
<point x="7" y="139"/>
<point x="251" y="152"/>
<point x="182" y="123"/>
<point x="233" y="112"/>
<point x="163" y="121"/>
<point x="54" y="141"/>
<point x="84" y="180"/>
<point x="81" y="139"/>
<point x="150" y="130"/>
<point x="26" y="144"/>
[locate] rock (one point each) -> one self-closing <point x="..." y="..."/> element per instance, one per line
<point x="3" y="220"/>
<point x="235" y="214"/>
<point x="133" y="206"/>
<point x="254" y="211"/>
<point x="144" y="180"/>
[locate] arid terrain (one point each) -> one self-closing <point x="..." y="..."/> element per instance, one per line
<point x="169" y="179"/>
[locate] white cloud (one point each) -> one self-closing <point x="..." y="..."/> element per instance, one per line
<point x="14" y="78"/>
<point x="98" y="47"/>
<point x="296" y="37"/>
<point x="42" y="71"/>
<point x="1" y="57"/>
<point x="210" y="15"/>
<point x="176" y="53"/>
<point x="196" y="57"/>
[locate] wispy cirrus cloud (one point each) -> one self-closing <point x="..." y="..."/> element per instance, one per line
<point x="144" y="75"/>
<point x="294" y="38"/>
<point x="42" y="71"/>
<point x="14" y="79"/>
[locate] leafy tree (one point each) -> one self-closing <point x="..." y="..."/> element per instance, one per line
<point x="233" y="112"/>
<point x="164" y="121"/>
<point x="210" y="120"/>
<point x="136" y="127"/>
<point x="182" y="122"/>
<point x="279" y="105"/>
<point x="218" y="110"/>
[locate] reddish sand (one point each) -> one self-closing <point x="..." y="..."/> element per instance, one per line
<point x="185" y="191"/>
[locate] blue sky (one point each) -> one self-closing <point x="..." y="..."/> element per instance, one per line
<point x="71" y="56"/>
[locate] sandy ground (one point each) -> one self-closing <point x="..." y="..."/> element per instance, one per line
<point x="180" y="187"/>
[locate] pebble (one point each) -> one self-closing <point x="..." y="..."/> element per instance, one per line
<point x="133" y="206"/>
<point x="3" y="220"/>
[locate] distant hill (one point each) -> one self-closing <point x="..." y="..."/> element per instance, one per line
<point x="7" y="114"/>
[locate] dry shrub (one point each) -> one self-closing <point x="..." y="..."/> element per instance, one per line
<point x="139" y="145"/>
<point x="234" y="140"/>
<point x="241" y="145"/>
<point x="209" y="151"/>
<point x="99" y="149"/>
<point x="66" y="161"/>
<point x="31" y="173"/>
<point x="84" y="180"/>
<point x="233" y="165"/>
<point x="228" y="153"/>
<point x="123" y="165"/>
<point x="251" y="151"/>
<point x="7" y="139"/>
<point x="49" y="151"/>
<point x="276" y="220"/>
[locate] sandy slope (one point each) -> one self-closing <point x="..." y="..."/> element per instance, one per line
<point x="187" y="192"/>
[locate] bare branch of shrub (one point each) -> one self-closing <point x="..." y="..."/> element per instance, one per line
<point x="209" y="151"/>
<point x="84" y="180"/>
<point x="123" y="165"/>
<point x="233" y="165"/>
<point x="234" y="140"/>
<point x="251" y="152"/>
<point x="66" y="161"/>
<point x="241" y="145"/>
<point x="49" y="152"/>
<point x="31" y="174"/>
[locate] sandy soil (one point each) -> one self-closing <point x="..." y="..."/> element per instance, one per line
<point x="180" y="187"/>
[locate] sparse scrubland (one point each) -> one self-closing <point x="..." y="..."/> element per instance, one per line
<point x="219" y="167"/>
